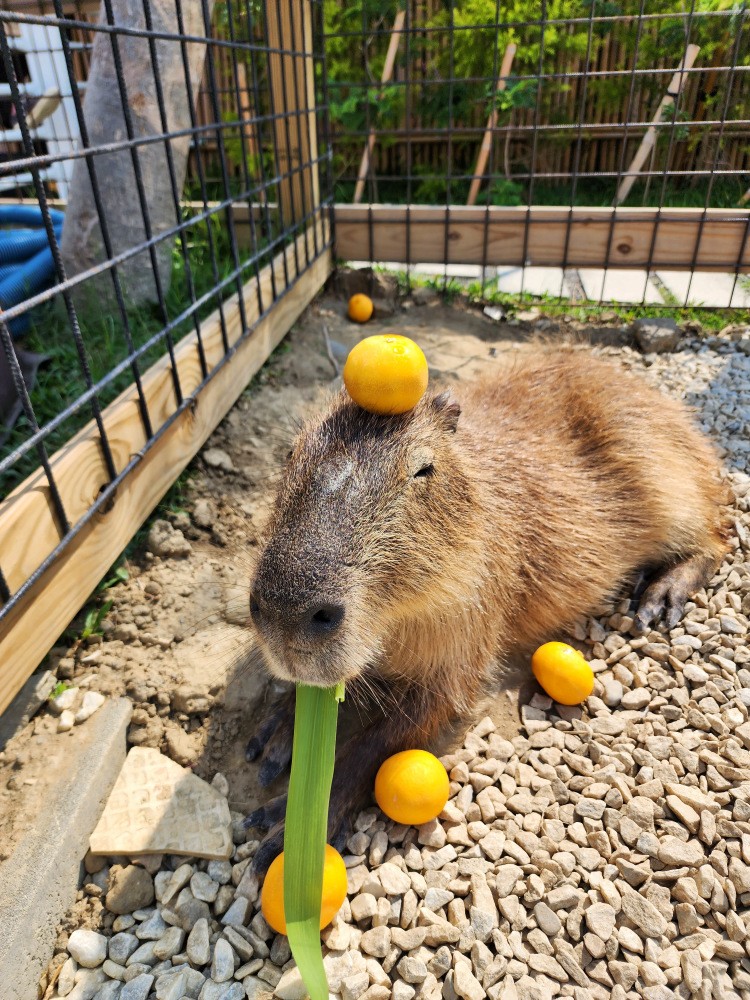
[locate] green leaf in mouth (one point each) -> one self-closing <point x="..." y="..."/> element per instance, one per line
<point x="306" y="830"/>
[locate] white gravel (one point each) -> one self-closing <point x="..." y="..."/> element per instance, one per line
<point x="603" y="852"/>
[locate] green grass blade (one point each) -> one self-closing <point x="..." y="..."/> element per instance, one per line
<point x="313" y="754"/>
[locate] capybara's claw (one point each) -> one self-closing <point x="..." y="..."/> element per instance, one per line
<point x="648" y="613"/>
<point x="277" y="754"/>
<point x="339" y="837"/>
<point x="271" y="846"/>
<point x="667" y="595"/>
<point x="274" y="733"/>
<point x="253" y="749"/>
<point x="264" y="817"/>
<point x="257" y="743"/>
<point x="273" y="765"/>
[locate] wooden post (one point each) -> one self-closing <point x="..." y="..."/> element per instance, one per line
<point x="293" y="90"/>
<point x="649" y="140"/>
<point x="484" y="150"/>
<point x="390" y="59"/>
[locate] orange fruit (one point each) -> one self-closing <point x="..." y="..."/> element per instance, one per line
<point x="360" y="308"/>
<point x="412" y="787"/>
<point x="563" y="673"/>
<point x="386" y="374"/>
<point x="334" y="891"/>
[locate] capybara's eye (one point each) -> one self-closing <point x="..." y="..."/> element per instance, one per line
<point x="426" y="470"/>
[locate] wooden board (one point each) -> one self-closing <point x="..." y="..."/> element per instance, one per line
<point x="719" y="239"/>
<point x="292" y="90"/>
<point x="28" y="532"/>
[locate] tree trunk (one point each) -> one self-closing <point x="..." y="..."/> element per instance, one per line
<point x="83" y="244"/>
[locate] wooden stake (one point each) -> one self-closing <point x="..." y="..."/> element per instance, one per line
<point x="390" y="59"/>
<point x="484" y="149"/>
<point x="649" y="139"/>
<point x="246" y="111"/>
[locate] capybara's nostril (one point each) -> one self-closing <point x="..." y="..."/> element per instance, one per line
<point x="323" y="619"/>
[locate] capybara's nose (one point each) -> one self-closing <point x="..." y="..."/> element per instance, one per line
<point x="322" y="619"/>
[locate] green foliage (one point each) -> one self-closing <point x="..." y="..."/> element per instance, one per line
<point x="89" y="622"/>
<point x="450" y="288"/>
<point x="58" y="689"/>
<point x="118" y="574"/>
<point x="504" y="191"/>
<point x="455" y="57"/>
<point x="92" y="621"/>
<point x="477" y="52"/>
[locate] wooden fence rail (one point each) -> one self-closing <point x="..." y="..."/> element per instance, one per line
<point x="670" y="239"/>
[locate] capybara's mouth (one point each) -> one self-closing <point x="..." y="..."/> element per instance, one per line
<point x="299" y="666"/>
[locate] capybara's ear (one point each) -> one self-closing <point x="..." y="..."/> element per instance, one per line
<point x="447" y="409"/>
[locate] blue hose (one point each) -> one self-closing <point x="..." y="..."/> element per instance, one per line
<point x="18" y="244"/>
<point x="26" y="263"/>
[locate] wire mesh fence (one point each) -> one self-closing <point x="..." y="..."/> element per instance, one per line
<point x="642" y="107"/>
<point x="162" y="192"/>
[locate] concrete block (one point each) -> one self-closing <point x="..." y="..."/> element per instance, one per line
<point x="706" y="288"/>
<point x="532" y="281"/>
<point x="38" y="882"/>
<point x="25" y="705"/>
<point x="618" y="285"/>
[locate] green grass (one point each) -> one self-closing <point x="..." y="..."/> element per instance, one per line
<point x="89" y="620"/>
<point x="725" y="193"/>
<point x="450" y="288"/>
<point x="58" y="689"/>
<point x="585" y="312"/>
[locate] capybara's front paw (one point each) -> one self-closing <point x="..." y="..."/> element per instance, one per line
<point x="270" y="847"/>
<point x="669" y="591"/>
<point x="270" y="817"/>
<point x="273" y="742"/>
<point x="267" y="815"/>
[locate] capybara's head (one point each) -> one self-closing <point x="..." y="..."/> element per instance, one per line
<point x="367" y="529"/>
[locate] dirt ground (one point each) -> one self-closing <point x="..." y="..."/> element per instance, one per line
<point x="176" y="639"/>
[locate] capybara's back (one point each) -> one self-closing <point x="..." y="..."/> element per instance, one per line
<point x="591" y="475"/>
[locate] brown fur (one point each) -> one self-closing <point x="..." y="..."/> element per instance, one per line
<point x="558" y="483"/>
